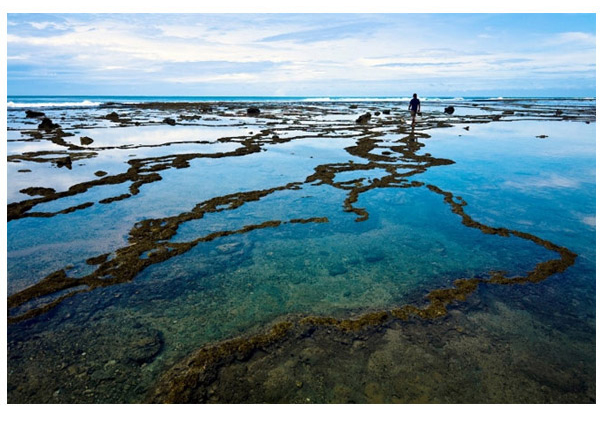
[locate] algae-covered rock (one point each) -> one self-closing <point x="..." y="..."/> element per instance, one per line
<point x="113" y="116"/>
<point x="363" y="119"/>
<point x="47" y="125"/>
<point x="85" y="140"/>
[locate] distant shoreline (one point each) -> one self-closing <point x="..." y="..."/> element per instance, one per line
<point x="39" y="101"/>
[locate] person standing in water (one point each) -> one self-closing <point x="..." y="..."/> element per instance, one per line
<point x="414" y="108"/>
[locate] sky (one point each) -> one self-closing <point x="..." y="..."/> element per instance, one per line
<point x="454" y="55"/>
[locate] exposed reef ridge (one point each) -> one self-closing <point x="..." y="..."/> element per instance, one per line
<point x="187" y="382"/>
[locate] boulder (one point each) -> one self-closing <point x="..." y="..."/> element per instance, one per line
<point x="363" y="119"/>
<point x="85" y="140"/>
<point x="47" y="125"/>
<point x="169" y="121"/>
<point x="64" y="162"/>
<point x="449" y="110"/>
<point x="253" y="111"/>
<point x="114" y="117"/>
<point x="30" y="113"/>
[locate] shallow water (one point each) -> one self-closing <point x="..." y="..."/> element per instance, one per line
<point x="177" y="237"/>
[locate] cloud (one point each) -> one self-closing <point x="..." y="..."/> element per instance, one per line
<point x="290" y="49"/>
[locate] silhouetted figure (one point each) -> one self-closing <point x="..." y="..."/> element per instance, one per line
<point x="414" y="108"/>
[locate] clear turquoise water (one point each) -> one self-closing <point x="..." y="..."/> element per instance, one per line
<point x="236" y="285"/>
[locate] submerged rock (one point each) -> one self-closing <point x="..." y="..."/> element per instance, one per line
<point x="449" y="110"/>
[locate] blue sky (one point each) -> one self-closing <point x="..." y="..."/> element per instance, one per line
<point x="302" y="54"/>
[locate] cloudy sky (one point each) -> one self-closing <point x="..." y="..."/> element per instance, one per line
<point x="302" y="54"/>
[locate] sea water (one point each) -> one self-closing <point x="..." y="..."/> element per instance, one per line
<point x="118" y="339"/>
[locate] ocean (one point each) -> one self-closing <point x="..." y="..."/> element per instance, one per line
<point x="191" y="249"/>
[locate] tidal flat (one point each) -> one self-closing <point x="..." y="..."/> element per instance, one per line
<point x="291" y="252"/>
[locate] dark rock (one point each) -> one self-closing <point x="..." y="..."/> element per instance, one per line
<point x="558" y="112"/>
<point x="30" y="113"/>
<point x="169" y="121"/>
<point x="25" y="170"/>
<point x="449" y="110"/>
<point x="253" y="111"/>
<point x="377" y="113"/>
<point x="47" y="125"/>
<point x="467" y="128"/>
<point x="85" y="140"/>
<point x="100" y="173"/>
<point x="113" y="117"/>
<point x="508" y="112"/>
<point x="37" y="191"/>
<point x="64" y="162"/>
<point x="363" y="119"/>
<point x="542" y="136"/>
<point x="387" y="112"/>
<point x="352" y="107"/>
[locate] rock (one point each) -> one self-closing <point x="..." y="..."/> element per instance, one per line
<point x="337" y="269"/>
<point x="387" y="112"/>
<point x="449" y="110"/>
<point x="558" y="112"/>
<point x="64" y="162"/>
<point x="114" y="117"/>
<point x="542" y="136"/>
<point x="144" y="346"/>
<point x="229" y="247"/>
<point x="253" y="111"/>
<point x="85" y="140"/>
<point x="100" y="173"/>
<point x="169" y="121"/>
<point x="37" y="191"/>
<point x="508" y="112"/>
<point x="30" y="113"/>
<point x="352" y="107"/>
<point x="467" y="127"/>
<point x="377" y="113"/>
<point x="47" y="125"/>
<point x="363" y="119"/>
<point x="25" y="170"/>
